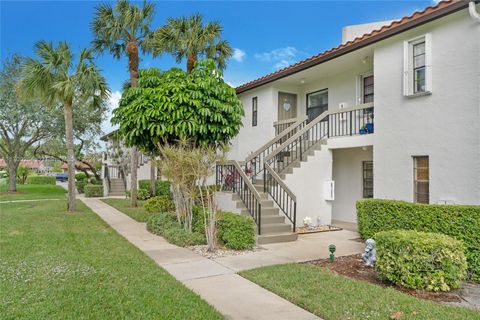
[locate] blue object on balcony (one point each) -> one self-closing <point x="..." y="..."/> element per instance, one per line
<point x="369" y="127"/>
<point x="363" y="131"/>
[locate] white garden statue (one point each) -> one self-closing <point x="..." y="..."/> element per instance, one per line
<point x="307" y="222"/>
<point x="369" y="256"/>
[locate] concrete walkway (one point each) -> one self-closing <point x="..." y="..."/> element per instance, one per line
<point x="215" y="281"/>
<point x="28" y="200"/>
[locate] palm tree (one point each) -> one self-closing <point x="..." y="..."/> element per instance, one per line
<point x="188" y="37"/>
<point x="54" y="80"/>
<point x="120" y="30"/>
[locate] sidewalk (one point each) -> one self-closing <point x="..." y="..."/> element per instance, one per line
<point x="233" y="296"/>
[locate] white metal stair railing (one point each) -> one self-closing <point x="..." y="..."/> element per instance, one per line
<point x="254" y="162"/>
<point x="328" y="124"/>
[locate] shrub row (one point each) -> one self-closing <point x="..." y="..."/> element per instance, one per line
<point x="40" y="180"/>
<point x="80" y="184"/>
<point x="420" y="260"/>
<point x="159" y="204"/>
<point x="162" y="188"/>
<point x="234" y="231"/>
<point x="460" y="222"/>
<point x="166" y="225"/>
<point x="93" y="190"/>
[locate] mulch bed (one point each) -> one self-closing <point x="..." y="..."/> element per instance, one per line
<point x="325" y="228"/>
<point x="353" y="267"/>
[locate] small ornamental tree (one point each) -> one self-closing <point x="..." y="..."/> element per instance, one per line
<point x="173" y="105"/>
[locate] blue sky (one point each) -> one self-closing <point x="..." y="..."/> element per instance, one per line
<point x="266" y="35"/>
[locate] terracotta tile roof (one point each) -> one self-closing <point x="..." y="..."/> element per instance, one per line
<point x="32" y="164"/>
<point x="417" y="18"/>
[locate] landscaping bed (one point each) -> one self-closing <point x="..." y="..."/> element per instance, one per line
<point x="353" y="267"/>
<point x="324" y="228"/>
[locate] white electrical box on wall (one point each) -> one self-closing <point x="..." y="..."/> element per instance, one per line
<point x="329" y="190"/>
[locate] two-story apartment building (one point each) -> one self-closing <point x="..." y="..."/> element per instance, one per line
<point x="393" y="113"/>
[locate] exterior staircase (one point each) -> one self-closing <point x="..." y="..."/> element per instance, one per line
<point x="273" y="226"/>
<point x="117" y="187"/>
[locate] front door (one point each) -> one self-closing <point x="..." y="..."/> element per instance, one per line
<point x="287" y="106"/>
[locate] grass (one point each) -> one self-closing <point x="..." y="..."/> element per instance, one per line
<point x="139" y="213"/>
<point x="331" y="296"/>
<point x="56" y="265"/>
<point x="32" y="191"/>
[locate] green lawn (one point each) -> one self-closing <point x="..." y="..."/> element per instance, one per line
<point x="139" y="214"/>
<point x="31" y="191"/>
<point x="56" y="265"/>
<point x="331" y="296"/>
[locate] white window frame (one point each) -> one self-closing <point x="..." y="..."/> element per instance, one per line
<point x="360" y="86"/>
<point x="408" y="74"/>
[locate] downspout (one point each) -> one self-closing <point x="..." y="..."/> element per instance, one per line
<point x="472" y="9"/>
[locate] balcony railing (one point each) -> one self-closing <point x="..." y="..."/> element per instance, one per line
<point x="280" y="126"/>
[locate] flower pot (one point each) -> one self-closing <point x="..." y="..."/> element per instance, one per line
<point x="369" y="127"/>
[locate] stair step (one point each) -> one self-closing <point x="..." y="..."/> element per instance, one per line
<point x="269" y="228"/>
<point x="116" y="194"/>
<point x="276" y="237"/>
<point x="272" y="219"/>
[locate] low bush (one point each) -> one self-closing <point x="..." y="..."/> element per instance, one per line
<point x="93" y="190"/>
<point x="458" y="221"/>
<point x="40" y="180"/>
<point x="236" y="231"/>
<point x="159" y="204"/>
<point x="81" y="185"/>
<point x="166" y="225"/>
<point x="143" y="194"/>
<point x="420" y="260"/>
<point x="162" y="188"/>
<point x="96" y="181"/>
<point x="80" y="176"/>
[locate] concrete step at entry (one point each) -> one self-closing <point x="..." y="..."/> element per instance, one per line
<point x="276" y="237"/>
<point x="269" y="228"/>
<point x="116" y="193"/>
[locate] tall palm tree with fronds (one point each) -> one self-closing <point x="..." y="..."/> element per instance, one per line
<point x="189" y="37"/>
<point x="54" y="79"/>
<point x="120" y="30"/>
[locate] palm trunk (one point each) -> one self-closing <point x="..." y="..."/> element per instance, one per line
<point x="12" y="178"/>
<point x="191" y="60"/>
<point x="68" y="113"/>
<point x="153" y="181"/>
<point x="133" y="176"/>
<point x="132" y="51"/>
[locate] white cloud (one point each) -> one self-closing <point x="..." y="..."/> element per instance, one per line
<point x="281" y="57"/>
<point x="111" y="104"/>
<point x="238" y="54"/>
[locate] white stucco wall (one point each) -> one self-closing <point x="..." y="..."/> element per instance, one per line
<point x="348" y="177"/>
<point x="307" y="182"/>
<point x="444" y="125"/>
<point x="251" y="138"/>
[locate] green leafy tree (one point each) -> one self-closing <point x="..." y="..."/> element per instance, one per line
<point x="190" y="38"/>
<point x="121" y="30"/>
<point x="54" y="79"/>
<point x="173" y="105"/>
<point x="23" y="125"/>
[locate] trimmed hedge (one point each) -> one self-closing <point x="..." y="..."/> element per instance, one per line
<point x="458" y="221"/>
<point x="162" y="188"/>
<point x="159" y="204"/>
<point x="143" y="194"/>
<point x="420" y="260"/>
<point x="80" y="184"/>
<point x="80" y="176"/>
<point x="93" y="190"/>
<point x="236" y="231"/>
<point x="166" y="225"/>
<point x="40" y="180"/>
